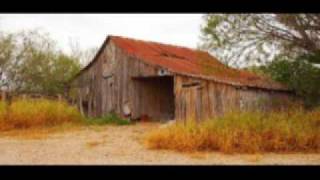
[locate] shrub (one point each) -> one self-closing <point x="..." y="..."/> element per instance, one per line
<point x="111" y="118"/>
<point x="299" y="75"/>
<point x="244" y="132"/>
<point x="27" y="113"/>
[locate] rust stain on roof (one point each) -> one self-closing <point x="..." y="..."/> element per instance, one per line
<point x="192" y="62"/>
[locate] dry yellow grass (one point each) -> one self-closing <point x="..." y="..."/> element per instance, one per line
<point x="39" y="132"/>
<point x="37" y="118"/>
<point x="295" y="130"/>
<point x="31" y="113"/>
<point x="3" y="110"/>
<point x="122" y="148"/>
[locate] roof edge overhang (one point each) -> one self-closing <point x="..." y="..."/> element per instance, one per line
<point x="174" y="72"/>
<point x="94" y="58"/>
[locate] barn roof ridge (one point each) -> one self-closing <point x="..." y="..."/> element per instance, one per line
<point x="187" y="61"/>
<point x="159" y="43"/>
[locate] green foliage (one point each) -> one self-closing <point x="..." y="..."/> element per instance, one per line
<point x="299" y="75"/>
<point x="313" y="57"/>
<point x="111" y="118"/>
<point x="242" y="39"/>
<point x="6" y="52"/>
<point x="259" y="70"/>
<point x="239" y="39"/>
<point x="63" y="68"/>
<point x="34" y="65"/>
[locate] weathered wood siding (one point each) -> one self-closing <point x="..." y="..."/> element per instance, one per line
<point x="201" y="99"/>
<point x="115" y="80"/>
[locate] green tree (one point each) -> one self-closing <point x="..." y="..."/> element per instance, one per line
<point x="7" y="47"/>
<point x="288" y="44"/>
<point x="63" y="69"/>
<point x="299" y="75"/>
<point x="242" y="38"/>
<point x="35" y="65"/>
<point x="259" y="70"/>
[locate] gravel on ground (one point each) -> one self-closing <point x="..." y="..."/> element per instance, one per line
<point x="124" y="145"/>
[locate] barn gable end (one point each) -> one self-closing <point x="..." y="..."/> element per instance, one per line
<point x="116" y="82"/>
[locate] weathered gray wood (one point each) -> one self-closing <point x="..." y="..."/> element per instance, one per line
<point x="118" y="81"/>
<point x="3" y="96"/>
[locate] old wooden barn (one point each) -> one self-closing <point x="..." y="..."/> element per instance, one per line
<point x="135" y="78"/>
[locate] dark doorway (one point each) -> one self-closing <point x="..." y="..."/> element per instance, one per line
<point x="156" y="97"/>
<point x="85" y="108"/>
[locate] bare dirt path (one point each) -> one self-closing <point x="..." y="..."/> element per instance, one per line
<point x="121" y="145"/>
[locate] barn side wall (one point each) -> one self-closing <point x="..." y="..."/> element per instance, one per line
<point x="111" y="84"/>
<point x="201" y="99"/>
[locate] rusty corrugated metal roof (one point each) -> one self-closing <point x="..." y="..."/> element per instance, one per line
<point x="192" y="62"/>
<point x="189" y="62"/>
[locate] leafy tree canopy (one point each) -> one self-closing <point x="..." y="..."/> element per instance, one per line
<point x="31" y="63"/>
<point x="300" y="75"/>
<point x="241" y="39"/>
<point x="284" y="47"/>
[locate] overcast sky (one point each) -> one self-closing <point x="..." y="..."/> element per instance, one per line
<point x="90" y="30"/>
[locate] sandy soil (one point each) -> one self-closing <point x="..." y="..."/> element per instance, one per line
<point x="121" y="145"/>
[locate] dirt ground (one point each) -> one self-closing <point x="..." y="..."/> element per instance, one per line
<point x="121" y="145"/>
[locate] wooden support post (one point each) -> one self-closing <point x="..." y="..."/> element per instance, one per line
<point x="3" y="96"/>
<point x="89" y="106"/>
<point x="73" y="101"/>
<point x="80" y="104"/>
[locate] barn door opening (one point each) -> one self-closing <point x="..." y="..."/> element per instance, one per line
<point x="156" y="98"/>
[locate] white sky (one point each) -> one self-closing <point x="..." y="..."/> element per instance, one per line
<point x="90" y="30"/>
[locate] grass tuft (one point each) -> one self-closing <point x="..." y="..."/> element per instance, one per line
<point x="32" y="113"/>
<point x="3" y="110"/>
<point x="295" y="130"/>
<point x="107" y="119"/>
